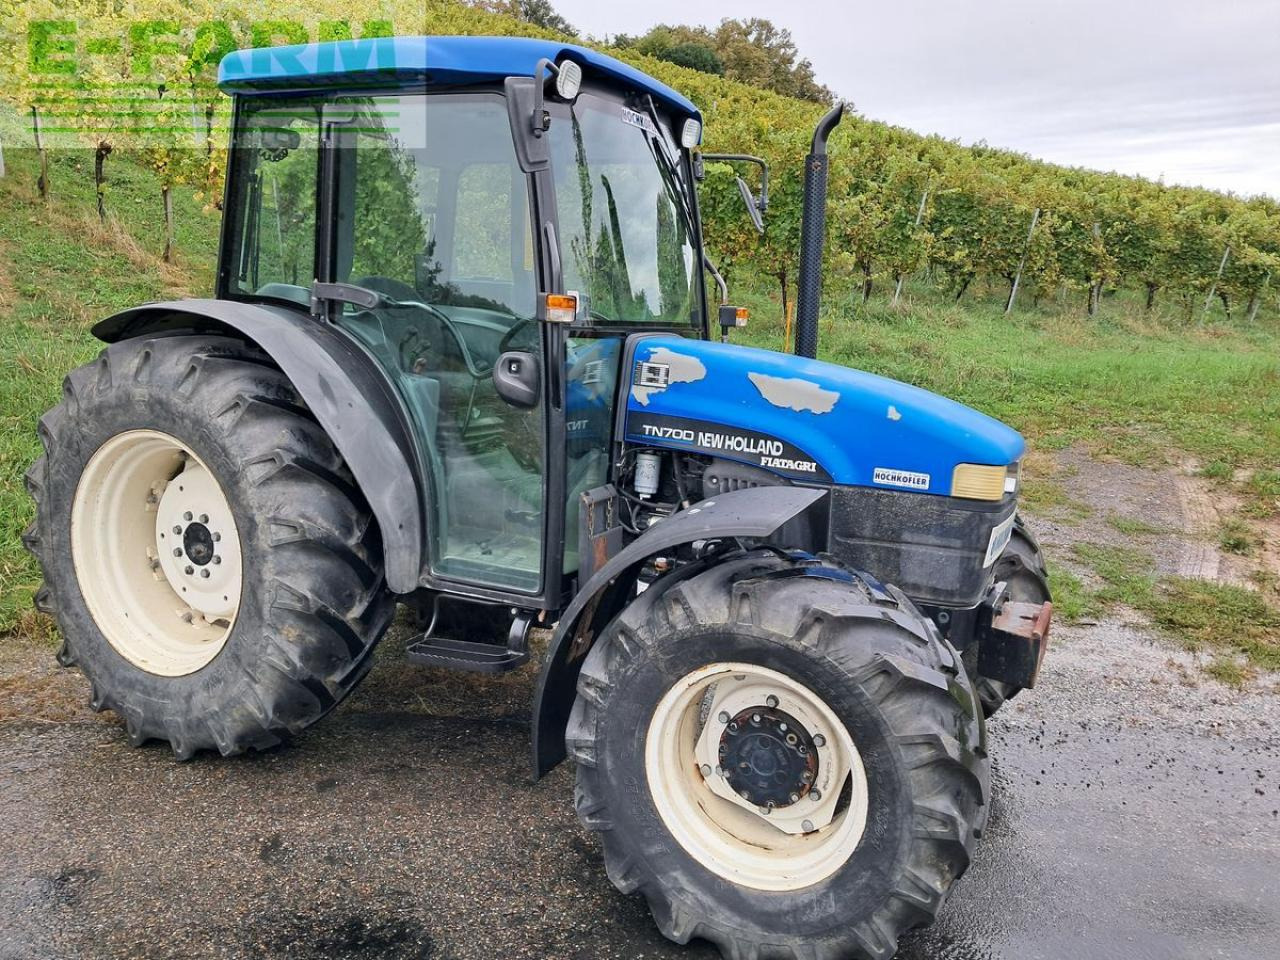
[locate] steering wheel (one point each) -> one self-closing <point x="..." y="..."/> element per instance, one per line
<point x="509" y="337"/>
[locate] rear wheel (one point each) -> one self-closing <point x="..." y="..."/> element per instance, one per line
<point x="212" y="567"/>
<point x="781" y="758"/>
<point x="1023" y="568"/>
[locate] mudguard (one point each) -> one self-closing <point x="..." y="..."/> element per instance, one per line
<point x="754" y="513"/>
<point x="343" y="388"/>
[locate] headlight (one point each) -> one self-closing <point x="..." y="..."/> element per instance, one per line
<point x="976" y="481"/>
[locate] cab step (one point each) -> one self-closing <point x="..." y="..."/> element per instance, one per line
<point x="465" y="655"/>
<point x="470" y="655"/>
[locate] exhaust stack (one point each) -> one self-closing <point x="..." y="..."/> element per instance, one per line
<point x="813" y="231"/>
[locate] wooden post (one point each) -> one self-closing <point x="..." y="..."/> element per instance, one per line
<point x="168" y="224"/>
<point x="43" y="182"/>
<point x="786" y="330"/>
<point x="1026" y="249"/>
<point x="1" y="159"/>
<point x="1257" y="297"/>
<point x="1213" y="288"/>
<point x="897" y="293"/>
<point x="1095" y="287"/>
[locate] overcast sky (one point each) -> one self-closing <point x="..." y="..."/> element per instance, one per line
<point x="1187" y="90"/>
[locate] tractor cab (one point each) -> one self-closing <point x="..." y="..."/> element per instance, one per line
<point x="437" y="200"/>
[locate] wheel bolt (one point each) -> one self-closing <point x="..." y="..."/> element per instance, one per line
<point x="782" y="727"/>
<point x="819" y="740"/>
<point x="177" y="551"/>
<point x="204" y="518"/>
<point x="755" y="718"/>
<point x="719" y="771"/>
<point x="216" y="558"/>
<point x="794" y="797"/>
<point x="177" y="529"/>
<point x="204" y="574"/>
<point x="723" y="717"/>
<point x="807" y="826"/>
<point x="771" y="701"/>
<point x="815" y="795"/>
<point x="706" y="769"/>
<point x="217" y="537"/>
<point x="187" y="515"/>
<point x="189" y="571"/>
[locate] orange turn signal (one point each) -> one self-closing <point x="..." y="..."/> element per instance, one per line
<point x="561" y="308"/>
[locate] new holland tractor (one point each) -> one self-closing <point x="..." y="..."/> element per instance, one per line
<point x="461" y="356"/>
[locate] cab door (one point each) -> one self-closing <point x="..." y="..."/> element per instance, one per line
<point x="432" y="211"/>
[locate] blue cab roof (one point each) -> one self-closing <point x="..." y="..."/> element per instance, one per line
<point x="440" y="61"/>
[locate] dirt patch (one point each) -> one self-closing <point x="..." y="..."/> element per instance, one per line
<point x="35" y="689"/>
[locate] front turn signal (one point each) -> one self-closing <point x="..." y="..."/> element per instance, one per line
<point x="975" y="481"/>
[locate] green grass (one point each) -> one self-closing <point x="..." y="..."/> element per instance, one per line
<point x="61" y="270"/>
<point x="1236" y="536"/>
<point x="1226" y="621"/>
<point x="1133" y="527"/>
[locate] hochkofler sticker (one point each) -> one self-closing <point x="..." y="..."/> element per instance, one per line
<point x="901" y="478"/>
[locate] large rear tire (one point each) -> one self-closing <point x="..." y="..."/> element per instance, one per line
<point x="1022" y="567"/>
<point x="213" y="569"/>
<point x="799" y="680"/>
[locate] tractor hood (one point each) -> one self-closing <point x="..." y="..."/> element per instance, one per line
<point x="805" y="419"/>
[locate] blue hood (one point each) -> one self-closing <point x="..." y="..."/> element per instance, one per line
<point x="806" y="419"/>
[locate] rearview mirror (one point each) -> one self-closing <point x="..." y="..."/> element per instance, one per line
<point x="753" y="205"/>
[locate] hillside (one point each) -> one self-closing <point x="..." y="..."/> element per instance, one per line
<point x="971" y="219"/>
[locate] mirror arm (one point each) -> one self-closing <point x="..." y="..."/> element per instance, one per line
<point x="763" y="202"/>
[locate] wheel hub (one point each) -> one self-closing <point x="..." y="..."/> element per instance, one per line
<point x="198" y="549"/>
<point x="768" y="757"/>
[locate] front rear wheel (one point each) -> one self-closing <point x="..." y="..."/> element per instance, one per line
<point x="212" y="567"/>
<point x="783" y="758"/>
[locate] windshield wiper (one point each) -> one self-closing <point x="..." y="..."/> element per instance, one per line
<point x="669" y="167"/>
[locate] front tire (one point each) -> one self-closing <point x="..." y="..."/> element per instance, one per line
<point x="213" y="569"/>
<point x="860" y="678"/>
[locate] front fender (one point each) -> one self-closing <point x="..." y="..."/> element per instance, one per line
<point x="341" y="386"/>
<point x="754" y="513"/>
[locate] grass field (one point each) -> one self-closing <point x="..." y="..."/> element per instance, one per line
<point x="1151" y="391"/>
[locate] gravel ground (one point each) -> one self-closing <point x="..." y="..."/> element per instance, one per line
<point x="1137" y="815"/>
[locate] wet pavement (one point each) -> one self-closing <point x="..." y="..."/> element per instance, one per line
<point x="1135" y="817"/>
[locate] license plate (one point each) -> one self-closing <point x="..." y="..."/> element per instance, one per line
<point x="999" y="540"/>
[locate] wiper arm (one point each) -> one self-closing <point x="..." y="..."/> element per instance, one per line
<point x="669" y="167"/>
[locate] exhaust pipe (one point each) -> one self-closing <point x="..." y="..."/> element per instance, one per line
<point x="813" y="231"/>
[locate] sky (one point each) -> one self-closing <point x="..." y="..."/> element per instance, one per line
<point x="1185" y="91"/>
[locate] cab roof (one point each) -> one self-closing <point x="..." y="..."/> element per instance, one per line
<point x="439" y="61"/>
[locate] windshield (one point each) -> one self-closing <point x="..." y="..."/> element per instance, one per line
<point x="626" y="242"/>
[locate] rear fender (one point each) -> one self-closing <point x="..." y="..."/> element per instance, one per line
<point x="755" y="513"/>
<point x="345" y="391"/>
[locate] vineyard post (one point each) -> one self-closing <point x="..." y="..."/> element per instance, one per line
<point x="897" y="293"/>
<point x="43" y="182"/>
<point x="1213" y="287"/>
<point x="1257" y="298"/>
<point x="1095" y="284"/>
<point x="1" y="158"/>
<point x="1026" y="249"/>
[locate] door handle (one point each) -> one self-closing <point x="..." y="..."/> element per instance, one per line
<point x="518" y="379"/>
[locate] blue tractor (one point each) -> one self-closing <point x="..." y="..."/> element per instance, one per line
<point x="461" y="357"/>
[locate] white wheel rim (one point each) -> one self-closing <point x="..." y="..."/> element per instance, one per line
<point x="796" y="843"/>
<point x="156" y="552"/>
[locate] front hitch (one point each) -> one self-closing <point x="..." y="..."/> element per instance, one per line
<point x="1012" y="643"/>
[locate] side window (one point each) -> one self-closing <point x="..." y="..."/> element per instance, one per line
<point x="484" y="232"/>
<point x="277" y="166"/>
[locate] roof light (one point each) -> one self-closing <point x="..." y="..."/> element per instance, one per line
<point x="568" y="79"/>
<point x="691" y="134"/>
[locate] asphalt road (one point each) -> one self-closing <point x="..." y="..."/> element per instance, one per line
<point x="1135" y="817"/>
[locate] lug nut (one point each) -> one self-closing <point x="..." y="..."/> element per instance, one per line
<point x="807" y="826"/>
<point x="189" y="571"/>
<point x="755" y="718"/>
<point x="771" y="701"/>
<point x="205" y="573"/>
<point x="187" y="515"/>
<point x="819" y="740"/>
<point x="216" y="558"/>
<point x="782" y="727"/>
<point x="794" y="797"/>
<point x="204" y="518"/>
<point x="177" y="529"/>
<point x="177" y="551"/>
<point x="815" y="795"/>
<point x="217" y="537"/>
<point x="723" y="717"/>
